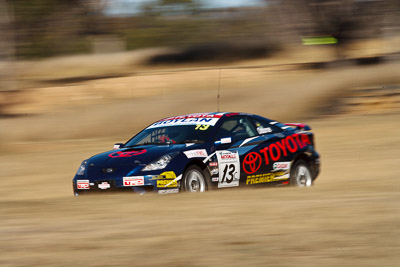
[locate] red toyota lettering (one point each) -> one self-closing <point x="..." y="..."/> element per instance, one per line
<point x="292" y="148"/>
<point x="272" y="148"/>
<point x="305" y="139"/>
<point x="299" y="142"/>
<point x="264" y="151"/>
<point x="281" y="145"/>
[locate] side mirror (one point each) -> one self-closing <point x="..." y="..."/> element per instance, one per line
<point x="118" y="146"/>
<point x="224" y="141"/>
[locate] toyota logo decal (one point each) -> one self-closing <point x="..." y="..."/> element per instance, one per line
<point x="128" y="154"/>
<point x="251" y="162"/>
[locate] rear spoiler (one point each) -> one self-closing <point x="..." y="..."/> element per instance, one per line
<point x="299" y="126"/>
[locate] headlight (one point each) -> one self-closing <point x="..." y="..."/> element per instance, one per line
<point x="82" y="168"/>
<point x="161" y="163"/>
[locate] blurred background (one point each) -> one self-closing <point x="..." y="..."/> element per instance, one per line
<point x="78" y="76"/>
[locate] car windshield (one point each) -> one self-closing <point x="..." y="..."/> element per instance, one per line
<point x="181" y="134"/>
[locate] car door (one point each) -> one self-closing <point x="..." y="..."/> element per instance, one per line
<point x="251" y="152"/>
<point x="230" y="140"/>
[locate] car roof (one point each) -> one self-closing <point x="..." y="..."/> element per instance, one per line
<point x="207" y="114"/>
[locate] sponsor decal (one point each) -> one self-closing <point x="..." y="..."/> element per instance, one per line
<point x="191" y="119"/>
<point x="214" y="171"/>
<point x="266" y="178"/>
<point x="82" y="184"/>
<point x="169" y="191"/>
<point x="228" y="155"/>
<point x="167" y="183"/>
<point x="213" y="164"/>
<point x="215" y="179"/>
<point x="127" y="154"/>
<point x="252" y="162"/>
<point x="168" y="175"/>
<point x="202" y="127"/>
<point x="133" y="180"/>
<point x="104" y="185"/>
<point x="274" y="151"/>
<point x="195" y="115"/>
<point x="197" y="153"/>
<point x="281" y="165"/>
<point x="262" y="130"/>
<point x="228" y="168"/>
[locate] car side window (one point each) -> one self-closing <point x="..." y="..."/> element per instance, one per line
<point x="237" y="128"/>
<point x="264" y="127"/>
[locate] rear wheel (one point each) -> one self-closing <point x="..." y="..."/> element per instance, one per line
<point x="194" y="180"/>
<point x="300" y="174"/>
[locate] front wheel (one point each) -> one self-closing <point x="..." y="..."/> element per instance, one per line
<point x="300" y="174"/>
<point x="194" y="180"/>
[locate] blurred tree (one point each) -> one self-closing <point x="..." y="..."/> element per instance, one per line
<point x="53" y="27"/>
<point x="177" y="7"/>
<point x="7" y="53"/>
<point x="345" y="20"/>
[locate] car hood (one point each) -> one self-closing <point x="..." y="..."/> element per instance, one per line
<point x="135" y="155"/>
<point x="122" y="162"/>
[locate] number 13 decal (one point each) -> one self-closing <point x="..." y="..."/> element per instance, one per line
<point x="228" y="174"/>
<point x="229" y="168"/>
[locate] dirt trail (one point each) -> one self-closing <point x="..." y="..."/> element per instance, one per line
<point x="349" y="218"/>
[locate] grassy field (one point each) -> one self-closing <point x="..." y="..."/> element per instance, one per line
<point x="350" y="217"/>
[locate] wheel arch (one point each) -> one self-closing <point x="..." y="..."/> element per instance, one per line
<point x="199" y="163"/>
<point x="302" y="156"/>
<point x="308" y="160"/>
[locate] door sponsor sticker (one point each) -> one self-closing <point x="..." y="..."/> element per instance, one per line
<point x="229" y="168"/>
<point x="197" y="153"/>
<point x="133" y="181"/>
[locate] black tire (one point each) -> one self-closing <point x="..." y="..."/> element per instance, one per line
<point x="194" y="180"/>
<point x="300" y="174"/>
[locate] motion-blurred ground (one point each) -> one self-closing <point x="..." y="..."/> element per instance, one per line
<point x="349" y="218"/>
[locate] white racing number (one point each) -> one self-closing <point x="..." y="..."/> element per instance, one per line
<point x="229" y="168"/>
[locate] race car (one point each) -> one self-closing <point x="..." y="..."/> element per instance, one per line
<point x="204" y="151"/>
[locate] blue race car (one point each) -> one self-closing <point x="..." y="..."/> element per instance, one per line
<point x="204" y="151"/>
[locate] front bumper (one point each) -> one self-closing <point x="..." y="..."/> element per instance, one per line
<point x="164" y="183"/>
